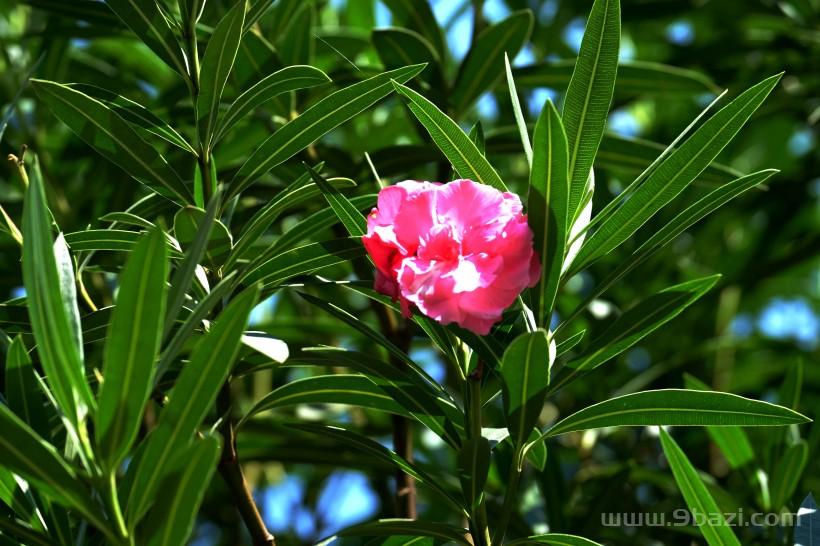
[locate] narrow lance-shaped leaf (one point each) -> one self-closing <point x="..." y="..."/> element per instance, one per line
<point x="290" y="78"/>
<point x="24" y="395"/>
<point x="733" y="442"/>
<point x="635" y="324"/>
<point x="304" y="259"/>
<point x="473" y="466"/>
<point x="150" y="26"/>
<point x="589" y="94"/>
<point x="355" y="390"/>
<point x="675" y="173"/>
<point x="131" y="348"/>
<point x="319" y="221"/>
<point x="483" y="65"/>
<point x="171" y="521"/>
<point x="465" y="157"/>
<point x="193" y="394"/>
<point x="113" y="138"/>
<point x="373" y="448"/>
<point x="555" y="539"/>
<point x="145" y="121"/>
<point x="296" y="42"/>
<point x="419" y="16"/>
<point x="52" y="308"/>
<point x="520" y="122"/>
<point x="787" y="473"/>
<point x="677" y="407"/>
<point x="216" y="67"/>
<point x="635" y="78"/>
<point x="442" y="532"/>
<point x="683" y="221"/>
<point x="23" y="452"/>
<point x="350" y="216"/>
<point x="293" y="195"/>
<point x="184" y="274"/>
<point x="548" y="208"/>
<point x="714" y="529"/>
<point x="199" y="313"/>
<point x="313" y="123"/>
<point x="525" y="371"/>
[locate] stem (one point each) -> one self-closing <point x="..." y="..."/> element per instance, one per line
<point x="402" y="434"/>
<point x="114" y="506"/>
<point x="479" y="527"/>
<point x="231" y="472"/>
<point x="510" y="497"/>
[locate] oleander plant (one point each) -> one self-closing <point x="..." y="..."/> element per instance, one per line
<point x="474" y="272"/>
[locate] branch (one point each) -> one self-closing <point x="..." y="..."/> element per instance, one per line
<point x="231" y="472"/>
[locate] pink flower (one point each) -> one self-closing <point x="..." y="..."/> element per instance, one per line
<point x="461" y="252"/>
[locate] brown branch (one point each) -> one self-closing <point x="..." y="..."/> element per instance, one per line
<point x="231" y="472"/>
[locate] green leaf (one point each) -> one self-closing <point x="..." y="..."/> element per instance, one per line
<point x="102" y="239"/>
<point x="113" y="138"/>
<point x="418" y="16"/>
<point x="142" y="119"/>
<point x="788" y="473"/>
<point x="465" y="157"/>
<point x="184" y="274"/>
<point x="131" y="348"/>
<point x="677" y="407"/>
<point x="473" y="467"/>
<point x="186" y="229"/>
<point x="566" y="345"/>
<point x="192" y="396"/>
<point x="172" y="519"/>
<point x="216" y="68"/>
<point x="375" y="449"/>
<point x="732" y="441"/>
<point x="304" y="259"/>
<point x="555" y="539"/>
<point x="683" y="221"/>
<point x="525" y="371"/>
<point x="482" y="66"/>
<point x="675" y="173"/>
<point x="290" y="78"/>
<point x="589" y="94"/>
<point x="635" y="78"/>
<point x="198" y="314"/>
<point x="24" y="395"/>
<point x="26" y="454"/>
<point x="635" y="324"/>
<point x="313" y="123"/>
<point x="520" y="122"/>
<point x="476" y="135"/>
<point x="52" y="307"/>
<point x="296" y="43"/>
<point x="354" y="390"/>
<point x="548" y="208"/>
<point x="150" y="26"/>
<point x="408" y="387"/>
<point x="292" y="196"/>
<point x="398" y="46"/>
<point x="714" y="529"/>
<point x="408" y="527"/>
<point x="321" y="220"/>
<point x="349" y="214"/>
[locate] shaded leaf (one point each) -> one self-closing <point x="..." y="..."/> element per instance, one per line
<point x="313" y="123"/>
<point x="113" y="138"/>
<point x="131" y="348"/>
<point x="714" y="529"/>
